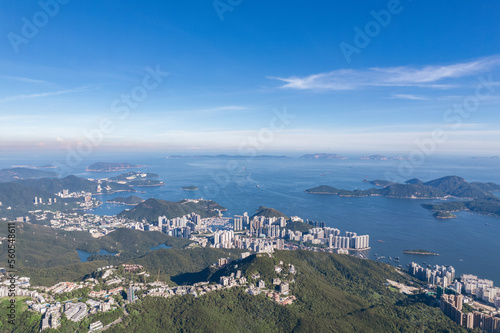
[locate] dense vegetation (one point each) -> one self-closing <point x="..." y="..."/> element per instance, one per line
<point x="49" y="255"/>
<point x="75" y="184"/>
<point x="269" y="212"/>
<point x="132" y="200"/>
<point x="489" y="206"/>
<point x="299" y="226"/>
<point x="152" y="208"/>
<point x="442" y="187"/>
<point x="334" y="293"/>
<point x="484" y="201"/>
<point x="20" y="199"/>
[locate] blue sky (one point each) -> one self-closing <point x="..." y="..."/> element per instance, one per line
<point x="233" y="64"/>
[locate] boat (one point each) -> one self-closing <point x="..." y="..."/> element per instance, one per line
<point x="381" y="241"/>
<point x="487" y="224"/>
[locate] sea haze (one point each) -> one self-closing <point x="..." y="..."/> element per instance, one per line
<point x="469" y="242"/>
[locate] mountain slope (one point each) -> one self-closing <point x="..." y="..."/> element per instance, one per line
<point x="335" y="293"/>
<point x="269" y="212"/>
<point x="152" y="208"/>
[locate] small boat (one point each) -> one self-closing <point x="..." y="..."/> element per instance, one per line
<point x="487" y="224"/>
<point x="381" y="241"/>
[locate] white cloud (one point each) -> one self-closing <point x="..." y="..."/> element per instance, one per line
<point x="408" y="96"/>
<point x="402" y="76"/>
<point x="24" y="79"/>
<point x="44" y="94"/>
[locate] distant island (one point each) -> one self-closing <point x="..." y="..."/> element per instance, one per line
<point x="229" y="156"/>
<point x="420" y="252"/>
<point x="130" y="201"/>
<point x="482" y="199"/>
<point x="46" y="166"/>
<point x="190" y="188"/>
<point x="8" y="175"/>
<point x="110" y="167"/>
<point x="324" y="156"/>
<point x="382" y="158"/>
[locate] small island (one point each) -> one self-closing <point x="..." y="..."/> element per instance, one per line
<point x="444" y="215"/>
<point x="420" y="252"/>
<point x="190" y="188"/>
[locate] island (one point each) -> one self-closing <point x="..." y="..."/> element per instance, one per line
<point x="190" y="188"/>
<point x="444" y="215"/>
<point x="129" y="201"/>
<point x="482" y="199"/>
<point x="420" y="252"/>
<point x="224" y="156"/>
<point x="110" y="167"/>
<point x="323" y="156"/>
<point x="382" y="158"/>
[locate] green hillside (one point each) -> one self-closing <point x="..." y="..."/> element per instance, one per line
<point x="269" y="212"/>
<point x="335" y="293"/>
<point x="152" y="208"/>
<point x="132" y="200"/>
<point x="75" y="184"/>
<point x="49" y="255"/>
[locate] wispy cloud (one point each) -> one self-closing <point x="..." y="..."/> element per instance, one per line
<point x="24" y="79"/>
<point x="430" y="76"/>
<point x="408" y="96"/>
<point x="44" y="94"/>
<point x="225" y="108"/>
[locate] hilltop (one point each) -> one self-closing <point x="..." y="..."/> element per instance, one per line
<point x="269" y="212"/>
<point x="131" y="201"/>
<point x="152" y="208"/>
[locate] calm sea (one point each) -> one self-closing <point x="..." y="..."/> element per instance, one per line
<point x="470" y="243"/>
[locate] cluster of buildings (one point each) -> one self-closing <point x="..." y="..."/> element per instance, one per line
<point x="452" y="306"/>
<point x="469" y="287"/>
<point x="442" y="276"/>
<point x="39" y="201"/>
<point x="482" y="289"/>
